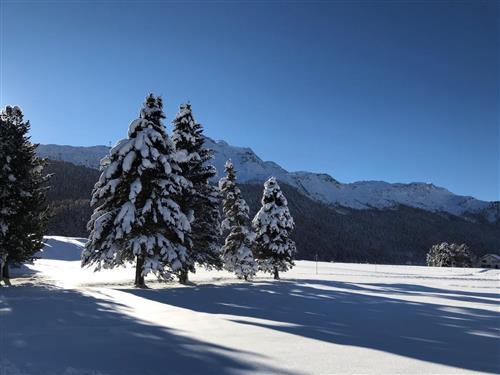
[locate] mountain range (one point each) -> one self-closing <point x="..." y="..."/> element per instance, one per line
<point x="397" y="235"/>
<point x="319" y="187"/>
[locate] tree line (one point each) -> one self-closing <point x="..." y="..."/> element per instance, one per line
<point x="208" y="225"/>
<point x="152" y="204"/>
<point x="397" y="236"/>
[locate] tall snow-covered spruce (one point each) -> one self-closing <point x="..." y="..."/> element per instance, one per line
<point x="273" y="248"/>
<point x="23" y="208"/>
<point x="237" y="248"/>
<point x="137" y="216"/>
<point x="202" y="201"/>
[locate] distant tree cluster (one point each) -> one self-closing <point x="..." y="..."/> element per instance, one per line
<point x="449" y="255"/>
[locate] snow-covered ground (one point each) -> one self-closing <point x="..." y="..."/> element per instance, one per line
<point x="346" y="318"/>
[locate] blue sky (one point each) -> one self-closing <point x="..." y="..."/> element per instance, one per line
<point x="394" y="91"/>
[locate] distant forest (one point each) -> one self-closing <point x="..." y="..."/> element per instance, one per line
<point x="392" y="236"/>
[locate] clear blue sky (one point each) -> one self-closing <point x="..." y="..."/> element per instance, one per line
<point x="395" y="91"/>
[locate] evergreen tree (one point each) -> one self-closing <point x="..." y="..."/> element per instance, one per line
<point x="462" y="256"/>
<point x="273" y="248"/>
<point x="237" y="249"/>
<point x="23" y="208"/>
<point x="137" y="217"/>
<point x="203" y="200"/>
<point x="449" y="255"/>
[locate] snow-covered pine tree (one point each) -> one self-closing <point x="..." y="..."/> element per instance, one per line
<point x="137" y="217"/>
<point x="434" y="256"/>
<point x="273" y="248"/>
<point x="449" y="255"/>
<point x="23" y="208"/>
<point x="203" y="200"/>
<point x="237" y="249"/>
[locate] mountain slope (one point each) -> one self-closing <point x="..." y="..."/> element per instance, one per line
<point x="86" y="156"/>
<point x="317" y="186"/>
<point x="399" y="236"/>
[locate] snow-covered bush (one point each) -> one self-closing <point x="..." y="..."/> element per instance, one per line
<point x="203" y="200"/>
<point x="137" y="216"/>
<point x="237" y="249"/>
<point x="273" y="248"/>
<point x="449" y="255"/>
<point x="23" y="208"/>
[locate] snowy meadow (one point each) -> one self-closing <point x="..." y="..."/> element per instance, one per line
<point x="347" y="318"/>
<point x="249" y="187"/>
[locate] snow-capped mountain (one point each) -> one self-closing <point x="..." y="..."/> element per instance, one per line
<point x="86" y="156"/>
<point x="318" y="186"/>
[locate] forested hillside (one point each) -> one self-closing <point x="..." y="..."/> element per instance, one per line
<point x="394" y="236"/>
<point x="69" y="198"/>
<point x="397" y="236"/>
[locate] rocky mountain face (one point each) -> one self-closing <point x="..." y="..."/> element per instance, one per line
<point x="316" y="186"/>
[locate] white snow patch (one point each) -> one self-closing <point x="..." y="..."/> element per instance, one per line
<point x="62" y="248"/>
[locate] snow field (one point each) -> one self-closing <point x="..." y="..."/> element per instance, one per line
<point x="348" y="318"/>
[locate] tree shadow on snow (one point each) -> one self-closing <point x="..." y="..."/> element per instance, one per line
<point x="456" y="295"/>
<point x="21" y="271"/>
<point x="460" y="337"/>
<point x="45" y="330"/>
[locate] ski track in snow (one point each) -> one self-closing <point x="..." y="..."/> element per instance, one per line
<point x="348" y="318"/>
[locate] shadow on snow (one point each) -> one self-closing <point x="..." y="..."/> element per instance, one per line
<point x="454" y="336"/>
<point x="45" y="330"/>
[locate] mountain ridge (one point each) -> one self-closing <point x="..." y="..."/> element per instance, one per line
<point x="318" y="186"/>
<point x="401" y="236"/>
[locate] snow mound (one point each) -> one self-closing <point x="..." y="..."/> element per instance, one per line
<point x="62" y="248"/>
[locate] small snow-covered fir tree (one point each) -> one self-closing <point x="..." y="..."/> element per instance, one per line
<point x="23" y="208"/>
<point x="137" y="217"/>
<point x="237" y="249"/>
<point x="273" y="248"/>
<point x="203" y="199"/>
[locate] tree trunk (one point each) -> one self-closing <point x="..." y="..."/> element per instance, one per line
<point x="184" y="277"/>
<point x="276" y="274"/>
<point x="5" y="273"/>
<point x="139" y="277"/>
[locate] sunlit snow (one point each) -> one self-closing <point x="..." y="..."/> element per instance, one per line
<point x="347" y="318"/>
